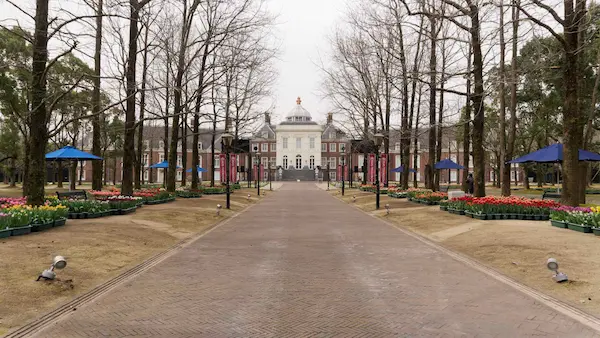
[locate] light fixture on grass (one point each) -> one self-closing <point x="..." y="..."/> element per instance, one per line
<point x="59" y="262"/>
<point x="218" y="209"/>
<point x="387" y="209"/>
<point x="558" y="277"/>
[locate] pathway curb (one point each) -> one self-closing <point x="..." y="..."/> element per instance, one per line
<point x="97" y="292"/>
<point x="581" y="316"/>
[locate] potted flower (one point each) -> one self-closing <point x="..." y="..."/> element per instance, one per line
<point x="580" y="220"/>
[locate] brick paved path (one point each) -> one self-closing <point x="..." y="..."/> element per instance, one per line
<point x="302" y="264"/>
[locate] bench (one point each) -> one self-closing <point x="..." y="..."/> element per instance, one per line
<point x="77" y="194"/>
<point x="444" y="188"/>
<point x="548" y="195"/>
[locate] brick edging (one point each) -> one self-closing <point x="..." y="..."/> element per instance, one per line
<point x="64" y="310"/>
<point x="570" y="311"/>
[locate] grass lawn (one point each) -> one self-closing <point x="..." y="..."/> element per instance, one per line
<point x="519" y="249"/>
<point x="97" y="250"/>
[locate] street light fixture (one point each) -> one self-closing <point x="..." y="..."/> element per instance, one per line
<point x="59" y="262"/>
<point x="378" y="139"/>
<point x="343" y="167"/>
<point x="227" y="139"/>
<point x="257" y="173"/>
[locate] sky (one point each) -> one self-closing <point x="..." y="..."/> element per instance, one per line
<point x="304" y="27"/>
<point x="302" y="30"/>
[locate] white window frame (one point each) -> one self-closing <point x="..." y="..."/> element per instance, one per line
<point x="332" y="175"/>
<point x="252" y="147"/>
<point x="264" y="147"/>
<point x="272" y="162"/>
<point x="285" y="162"/>
<point x="323" y="147"/>
<point x="179" y="160"/>
<point x="161" y="157"/>
<point x="145" y="159"/>
<point x="298" y="158"/>
<point x="311" y="163"/>
<point x="217" y="162"/>
<point x="312" y="143"/>
<point x="285" y="142"/>
<point x="161" y="144"/>
<point x="332" y="147"/>
<point x="179" y="175"/>
<point x="273" y="147"/>
<point x="264" y="161"/>
<point x="332" y="162"/>
<point x="340" y="146"/>
<point x="298" y="142"/>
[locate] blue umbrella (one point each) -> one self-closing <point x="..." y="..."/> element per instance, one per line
<point x="448" y="164"/>
<point x="401" y="169"/>
<point x="199" y="169"/>
<point x="162" y="165"/>
<point x="70" y="153"/>
<point x="553" y="154"/>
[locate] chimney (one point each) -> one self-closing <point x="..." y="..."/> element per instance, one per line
<point x="329" y="118"/>
<point x="268" y="118"/>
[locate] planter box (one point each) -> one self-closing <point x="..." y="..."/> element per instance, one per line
<point x="78" y="215"/>
<point x="580" y="228"/>
<point x="482" y="217"/>
<point x="537" y="217"/>
<point x="469" y="214"/>
<point x="127" y="211"/>
<point x="443" y="207"/>
<point x="5" y="233"/>
<point x="545" y="217"/>
<point x="558" y="224"/>
<point x="21" y="231"/>
<point x="59" y="222"/>
<point x="596" y="231"/>
<point x="42" y="227"/>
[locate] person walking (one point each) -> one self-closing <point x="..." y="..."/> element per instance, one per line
<point x="470" y="183"/>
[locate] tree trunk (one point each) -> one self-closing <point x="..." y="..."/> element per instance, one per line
<point x="416" y="142"/>
<point x="129" y="141"/>
<point x="196" y="137"/>
<point x="184" y="137"/>
<point x="96" y="128"/>
<point x="466" y="118"/>
<point x="478" y="103"/>
<point x="115" y="171"/>
<point x="139" y="166"/>
<point x="510" y="146"/>
<point x="37" y="122"/>
<point x="429" y="183"/>
<point x="572" y="118"/>
<point x="504" y="166"/>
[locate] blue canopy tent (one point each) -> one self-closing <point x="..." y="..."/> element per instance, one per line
<point x="554" y="154"/>
<point x="448" y="164"/>
<point x="400" y="169"/>
<point x="162" y="165"/>
<point x="70" y="153"/>
<point x="198" y="168"/>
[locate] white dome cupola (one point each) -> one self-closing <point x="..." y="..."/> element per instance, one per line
<point x="298" y="114"/>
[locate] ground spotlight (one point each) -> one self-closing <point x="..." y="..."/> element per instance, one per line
<point x="353" y="198"/>
<point x="248" y="197"/>
<point x="558" y="277"/>
<point x="218" y="209"/>
<point x="387" y="209"/>
<point x="59" y="262"/>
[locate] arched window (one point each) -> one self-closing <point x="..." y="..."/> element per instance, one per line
<point x="298" y="162"/>
<point x="285" y="162"/>
<point x="311" y="164"/>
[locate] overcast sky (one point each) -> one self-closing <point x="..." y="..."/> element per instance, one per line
<point x="304" y="28"/>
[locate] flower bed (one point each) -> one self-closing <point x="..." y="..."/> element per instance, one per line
<point x="121" y="205"/>
<point x="586" y="220"/>
<point x="214" y="190"/>
<point x="188" y="193"/>
<point x="85" y="209"/>
<point x="21" y="219"/>
<point x="430" y="198"/>
<point x="372" y="188"/>
<point x="492" y="207"/>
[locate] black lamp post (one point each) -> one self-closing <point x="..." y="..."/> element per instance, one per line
<point x="377" y="138"/>
<point x="258" y="174"/>
<point x="227" y="139"/>
<point x="343" y="168"/>
<point x="327" y="175"/>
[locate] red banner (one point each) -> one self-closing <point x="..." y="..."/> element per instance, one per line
<point x="339" y="173"/>
<point x="262" y="172"/>
<point x="233" y="168"/>
<point x="372" y="168"/>
<point x="222" y="168"/>
<point x="383" y="169"/>
<point x="254" y="172"/>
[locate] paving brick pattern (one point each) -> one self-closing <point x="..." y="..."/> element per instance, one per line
<point x="302" y="264"/>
